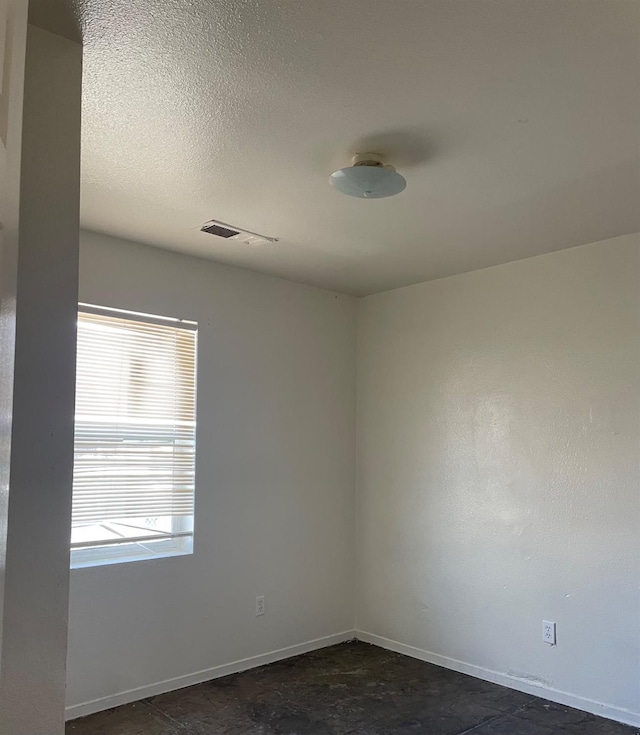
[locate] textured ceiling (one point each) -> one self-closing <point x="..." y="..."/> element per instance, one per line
<point x="515" y="122"/>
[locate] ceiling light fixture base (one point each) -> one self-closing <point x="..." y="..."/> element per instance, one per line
<point x="368" y="159"/>
<point x="368" y="178"/>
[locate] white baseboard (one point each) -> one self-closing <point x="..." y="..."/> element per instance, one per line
<point x="169" y="685"/>
<point x="528" y="687"/>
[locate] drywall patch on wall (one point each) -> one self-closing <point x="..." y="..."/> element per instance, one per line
<point x="498" y="469"/>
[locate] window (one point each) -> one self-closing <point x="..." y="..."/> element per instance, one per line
<point x="135" y="423"/>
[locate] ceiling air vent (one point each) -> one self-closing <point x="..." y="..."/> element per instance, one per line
<point x="213" y="227"/>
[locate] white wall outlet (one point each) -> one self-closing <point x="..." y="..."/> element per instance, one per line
<point x="259" y="605"/>
<point x="549" y="632"/>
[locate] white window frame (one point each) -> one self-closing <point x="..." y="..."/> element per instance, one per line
<point x="180" y="541"/>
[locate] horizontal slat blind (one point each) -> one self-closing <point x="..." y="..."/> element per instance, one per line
<point x="135" y="418"/>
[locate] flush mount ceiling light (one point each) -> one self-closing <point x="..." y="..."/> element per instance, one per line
<point x="368" y="178"/>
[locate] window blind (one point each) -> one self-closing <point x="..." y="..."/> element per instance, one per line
<point x="135" y="424"/>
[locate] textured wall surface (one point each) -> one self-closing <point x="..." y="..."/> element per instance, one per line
<point x="499" y="470"/>
<point x="274" y="479"/>
<point x="499" y="474"/>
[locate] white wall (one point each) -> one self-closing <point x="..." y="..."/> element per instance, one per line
<point x="499" y="472"/>
<point x="275" y="481"/>
<point x="498" y="477"/>
<point x="35" y="570"/>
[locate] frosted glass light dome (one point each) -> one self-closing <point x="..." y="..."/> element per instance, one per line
<point x="368" y="178"/>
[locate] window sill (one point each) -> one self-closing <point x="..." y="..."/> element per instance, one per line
<point x="127" y="552"/>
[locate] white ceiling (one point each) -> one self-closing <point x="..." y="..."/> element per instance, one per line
<point x="515" y="122"/>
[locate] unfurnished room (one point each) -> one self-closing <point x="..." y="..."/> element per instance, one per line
<point x="320" y="367"/>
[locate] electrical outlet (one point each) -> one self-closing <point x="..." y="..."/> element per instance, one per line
<point x="259" y="605"/>
<point x="549" y="632"/>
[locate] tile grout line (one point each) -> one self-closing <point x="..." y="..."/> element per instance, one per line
<point x="488" y="721"/>
<point x="492" y="720"/>
<point x="185" y="728"/>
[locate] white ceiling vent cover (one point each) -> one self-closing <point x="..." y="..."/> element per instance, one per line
<point x="229" y="232"/>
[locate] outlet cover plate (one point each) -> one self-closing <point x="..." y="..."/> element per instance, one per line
<point x="549" y="632"/>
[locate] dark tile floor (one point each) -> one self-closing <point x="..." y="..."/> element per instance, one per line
<point x="351" y="688"/>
